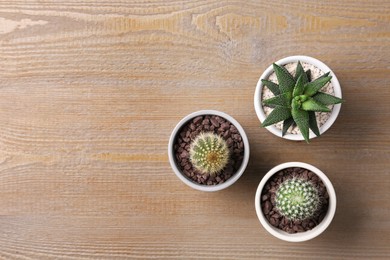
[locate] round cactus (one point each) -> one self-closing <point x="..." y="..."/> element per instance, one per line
<point x="297" y="199"/>
<point x="209" y="153"/>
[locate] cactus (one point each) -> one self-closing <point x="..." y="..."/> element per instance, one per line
<point x="297" y="199"/>
<point x="297" y="99"/>
<point x="209" y="153"/>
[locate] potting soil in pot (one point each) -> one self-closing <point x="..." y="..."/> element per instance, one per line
<point x="217" y="125"/>
<point x="270" y="210"/>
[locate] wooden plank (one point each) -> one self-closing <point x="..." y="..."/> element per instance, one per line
<point x="91" y="91"/>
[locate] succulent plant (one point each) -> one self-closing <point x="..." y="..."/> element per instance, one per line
<point x="297" y="199"/>
<point x="209" y="153"/>
<point x="297" y="99"/>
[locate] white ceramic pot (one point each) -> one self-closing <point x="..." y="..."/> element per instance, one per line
<point x="183" y="177"/>
<point x="302" y="236"/>
<point x="259" y="88"/>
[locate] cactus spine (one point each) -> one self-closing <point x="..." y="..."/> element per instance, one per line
<point x="209" y="153"/>
<point x="297" y="199"/>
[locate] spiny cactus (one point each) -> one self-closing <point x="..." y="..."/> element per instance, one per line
<point x="209" y="153"/>
<point x="297" y="199"/>
<point x="297" y="99"/>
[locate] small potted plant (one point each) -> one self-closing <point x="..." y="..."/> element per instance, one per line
<point x="297" y="94"/>
<point x="295" y="201"/>
<point x="208" y="150"/>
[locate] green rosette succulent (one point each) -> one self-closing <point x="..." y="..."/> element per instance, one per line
<point x="296" y="100"/>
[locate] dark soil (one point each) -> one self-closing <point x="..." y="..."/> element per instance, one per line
<point x="217" y="125"/>
<point x="268" y="203"/>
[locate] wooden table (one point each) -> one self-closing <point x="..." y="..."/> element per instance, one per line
<point x="90" y="92"/>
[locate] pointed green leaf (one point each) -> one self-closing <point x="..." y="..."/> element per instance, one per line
<point x="308" y="75"/>
<point x="327" y="99"/>
<point x="285" y="79"/>
<point x="286" y="125"/>
<point x="313" y="87"/>
<point x="277" y="115"/>
<point x="299" y="87"/>
<point x="273" y="87"/>
<point x="312" y="105"/>
<point x="301" y="118"/>
<point x="308" y="72"/>
<point x="300" y="72"/>
<point x="282" y="100"/>
<point x="323" y="76"/>
<point x="313" y="123"/>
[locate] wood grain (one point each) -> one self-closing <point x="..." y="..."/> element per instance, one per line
<point x="90" y="91"/>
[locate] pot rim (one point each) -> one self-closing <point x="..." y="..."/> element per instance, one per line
<point x="302" y="236"/>
<point x="185" y="179"/>
<point x="319" y="64"/>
